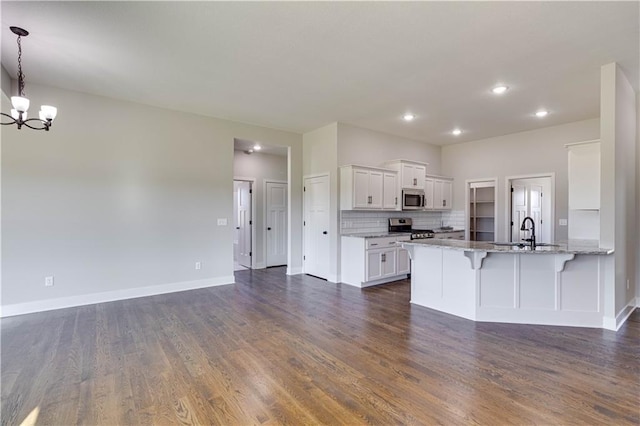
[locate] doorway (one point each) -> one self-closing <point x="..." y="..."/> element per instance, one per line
<point x="531" y="197"/>
<point x="276" y="223"/>
<point x="242" y="241"/>
<point x="316" y="226"/>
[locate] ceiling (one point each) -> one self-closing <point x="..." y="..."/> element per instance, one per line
<point x="298" y="66"/>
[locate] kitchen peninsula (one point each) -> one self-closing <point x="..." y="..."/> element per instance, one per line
<point x="558" y="284"/>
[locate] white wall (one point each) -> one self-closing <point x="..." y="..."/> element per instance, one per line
<point x="262" y="168"/>
<point x="320" y="157"/>
<point x="618" y="214"/>
<point x="120" y="199"/>
<point x="5" y="82"/>
<point x="526" y="153"/>
<point x="370" y="148"/>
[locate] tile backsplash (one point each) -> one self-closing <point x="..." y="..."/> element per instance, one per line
<point x="354" y="222"/>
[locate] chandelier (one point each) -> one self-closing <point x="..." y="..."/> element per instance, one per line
<point x="21" y="104"/>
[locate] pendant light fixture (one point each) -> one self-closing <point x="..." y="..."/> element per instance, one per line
<point x="21" y="104"/>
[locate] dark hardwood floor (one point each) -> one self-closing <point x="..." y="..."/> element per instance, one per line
<point x="273" y="349"/>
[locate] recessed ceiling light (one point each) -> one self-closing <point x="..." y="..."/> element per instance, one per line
<point x="408" y="117"/>
<point x="456" y="132"/>
<point x="257" y="147"/>
<point x="542" y="113"/>
<point x="500" y="89"/>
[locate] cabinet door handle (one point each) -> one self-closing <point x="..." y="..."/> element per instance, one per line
<point x="396" y="201"/>
<point x="415" y="181"/>
<point x="384" y="257"/>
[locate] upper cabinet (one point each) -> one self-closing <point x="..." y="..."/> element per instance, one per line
<point x="411" y="173"/>
<point x="438" y="192"/>
<point x="368" y="188"/>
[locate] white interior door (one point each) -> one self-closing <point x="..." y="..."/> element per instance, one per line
<point x="276" y="211"/>
<point x="243" y="222"/>
<point x="527" y="199"/>
<point x="316" y="226"/>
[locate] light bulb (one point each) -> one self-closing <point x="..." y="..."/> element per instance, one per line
<point x="541" y="113"/>
<point x="456" y="132"/>
<point x="48" y="112"/>
<point x="409" y="117"/>
<point x="499" y="90"/>
<point x="19" y="103"/>
<point x="257" y="147"/>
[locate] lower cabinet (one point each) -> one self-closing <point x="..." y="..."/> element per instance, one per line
<point x="371" y="261"/>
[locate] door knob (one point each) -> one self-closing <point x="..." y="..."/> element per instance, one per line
<point x="324" y="232"/>
<point x="269" y="229"/>
<point x="237" y="227"/>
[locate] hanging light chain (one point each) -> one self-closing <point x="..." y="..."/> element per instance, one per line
<point x="20" y="74"/>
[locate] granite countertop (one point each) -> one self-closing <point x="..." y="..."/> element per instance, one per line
<point x="571" y="247"/>
<point x="380" y="234"/>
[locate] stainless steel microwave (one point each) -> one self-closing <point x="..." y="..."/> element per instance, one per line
<point x="412" y="199"/>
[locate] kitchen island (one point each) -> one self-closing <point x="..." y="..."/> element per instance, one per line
<point x="558" y="284"/>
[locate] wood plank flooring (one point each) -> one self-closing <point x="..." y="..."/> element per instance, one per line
<point x="273" y="349"/>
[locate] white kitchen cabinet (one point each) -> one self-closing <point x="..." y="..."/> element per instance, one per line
<point x="411" y="173"/>
<point x="438" y="192"/>
<point x="428" y="193"/>
<point x="368" y="188"/>
<point x="371" y="261"/>
<point x="380" y="263"/>
<point x="390" y="196"/>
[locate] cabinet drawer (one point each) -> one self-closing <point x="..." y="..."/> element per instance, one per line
<point x="377" y="243"/>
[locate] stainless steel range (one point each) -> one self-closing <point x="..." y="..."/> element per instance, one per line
<point x="405" y="225"/>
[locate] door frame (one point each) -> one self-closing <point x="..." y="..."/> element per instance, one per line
<point x="253" y="215"/>
<point x="304" y="215"/>
<point x="264" y="216"/>
<point x="552" y="201"/>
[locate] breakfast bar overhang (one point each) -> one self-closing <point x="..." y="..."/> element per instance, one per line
<point x="560" y="284"/>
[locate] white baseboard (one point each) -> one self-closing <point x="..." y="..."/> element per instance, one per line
<point x="110" y="296"/>
<point x="294" y="271"/>
<point x="333" y="278"/>
<point x="615" y="323"/>
<point x="260" y="265"/>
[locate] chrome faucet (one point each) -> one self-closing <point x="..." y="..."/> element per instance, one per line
<point x="531" y="240"/>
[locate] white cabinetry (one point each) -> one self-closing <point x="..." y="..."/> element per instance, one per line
<point x="368" y="188"/>
<point x="438" y="192"/>
<point x="390" y="200"/>
<point x="371" y="261"/>
<point x="411" y="173"/>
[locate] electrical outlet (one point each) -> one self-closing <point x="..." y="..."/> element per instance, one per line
<point x="198" y="266"/>
<point x="222" y="222"/>
<point x="48" y="281"/>
<point x="563" y="222"/>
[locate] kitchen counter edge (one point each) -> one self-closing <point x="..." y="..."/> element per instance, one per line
<point x="569" y="247"/>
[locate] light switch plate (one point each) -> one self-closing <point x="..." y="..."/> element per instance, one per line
<point x="222" y="222"/>
<point x="562" y="222"/>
